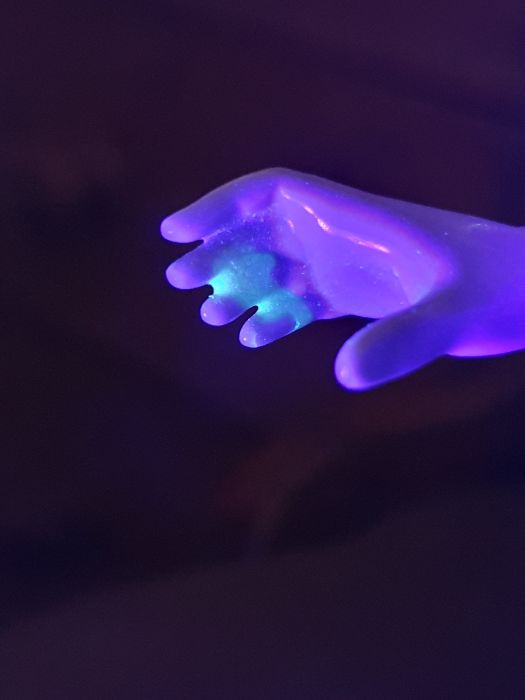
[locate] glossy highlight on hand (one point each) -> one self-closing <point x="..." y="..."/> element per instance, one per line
<point x="297" y="248"/>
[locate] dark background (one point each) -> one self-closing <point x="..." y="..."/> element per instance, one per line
<point x="140" y="447"/>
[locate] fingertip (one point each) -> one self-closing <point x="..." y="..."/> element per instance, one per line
<point x="248" y="339"/>
<point x="353" y="369"/>
<point x="181" y="276"/>
<point x="174" y="229"/>
<point x="252" y="334"/>
<point x="259" y="331"/>
<point x="217" y="311"/>
<point x="346" y="370"/>
<point x="210" y="314"/>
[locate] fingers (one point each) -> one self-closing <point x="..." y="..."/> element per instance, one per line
<point x="240" y="277"/>
<point x="226" y="229"/>
<point x="237" y="258"/>
<point x="278" y="314"/>
<point x="219" y="310"/>
<point x="199" y="220"/>
<point x="222" y="208"/>
<point x="259" y="331"/>
<point x="194" y="269"/>
<point x="228" y="262"/>
<point x="396" y="345"/>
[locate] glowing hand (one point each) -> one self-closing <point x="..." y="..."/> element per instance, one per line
<point x="300" y="248"/>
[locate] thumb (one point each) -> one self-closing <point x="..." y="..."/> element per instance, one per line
<point x="398" y="344"/>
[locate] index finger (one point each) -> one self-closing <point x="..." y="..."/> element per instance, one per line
<point x="222" y="207"/>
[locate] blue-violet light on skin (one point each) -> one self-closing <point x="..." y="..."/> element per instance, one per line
<point x="296" y="248"/>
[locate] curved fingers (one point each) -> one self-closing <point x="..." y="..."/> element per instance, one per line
<point x="222" y="207"/>
<point x="194" y="269"/>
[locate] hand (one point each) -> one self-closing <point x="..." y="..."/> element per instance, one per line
<point x="298" y="248"/>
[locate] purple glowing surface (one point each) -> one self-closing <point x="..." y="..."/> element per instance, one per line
<point x="298" y="248"/>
